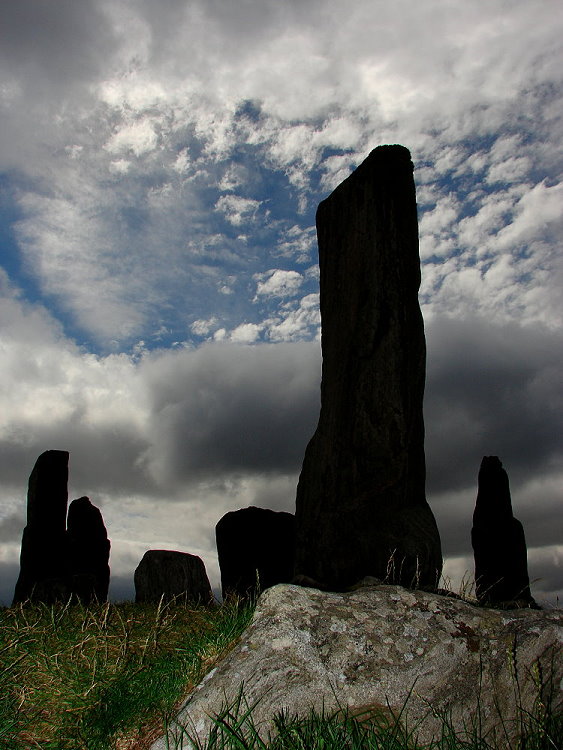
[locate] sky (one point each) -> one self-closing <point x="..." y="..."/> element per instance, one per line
<point x="160" y="168"/>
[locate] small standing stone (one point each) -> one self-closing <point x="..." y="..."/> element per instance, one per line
<point x="172" y="576"/>
<point x="256" y="548"/>
<point x="89" y="549"/>
<point x="499" y="544"/>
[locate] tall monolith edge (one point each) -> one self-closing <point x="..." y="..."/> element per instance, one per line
<point x="499" y="544"/>
<point x="361" y="507"/>
<point x="88" y="548"/>
<point x="43" y="558"/>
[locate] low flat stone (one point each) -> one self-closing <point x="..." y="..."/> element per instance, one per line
<point x="381" y="647"/>
<point x="171" y="575"/>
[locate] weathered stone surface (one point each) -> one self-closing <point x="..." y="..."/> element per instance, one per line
<point x="256" y="549"/>
<point x="361" y="506"/>
<point x="43" y="559"/>
<point x="374" y="647"/>
<point x="89" y="548"/>
<point x="172" y="575"/>
<point x="499" y="545"/>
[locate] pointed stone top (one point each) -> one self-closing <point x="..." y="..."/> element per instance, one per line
<point x="493" y="496"/>
<point x="395" y="158"/>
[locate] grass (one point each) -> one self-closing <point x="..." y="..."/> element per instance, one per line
<point x="112" y="677"/>
<point x="234" y="729"/>
<point x="103" y="677"/>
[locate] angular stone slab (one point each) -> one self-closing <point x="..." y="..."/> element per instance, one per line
<point x="361" y="508"/>
<point x="499" y="544"/>
<point x="256" y="548"/>
<point x="43" y="558"/>
<point x="381" y="647"/>
<point x="171" y="575"/>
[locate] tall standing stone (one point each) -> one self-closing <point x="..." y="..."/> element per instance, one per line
<point x="88" y="547"/>
<point x="43" y="559"/>
<point x="361" y="505"/>
<point x="499" y="545"/>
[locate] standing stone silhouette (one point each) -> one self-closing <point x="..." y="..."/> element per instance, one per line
<point x="499" y="545"/>
<point x="88" y="547"/>
<point x="255" y="547"/>
<point x="361" y="507"/>
<point x="43" y="559"/>
<point x="171" y="576"/>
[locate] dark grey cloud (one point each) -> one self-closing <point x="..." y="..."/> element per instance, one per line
<point x="9" y="572"/>
<point x="102" y="460"/>
<point x="492" y="389"/>
<point x="545" y="577"/>
<point x="54" y="44"/>
<point x="232" y="409"/>
<point x="538" y="506"/>
<point x="11" y="528"/>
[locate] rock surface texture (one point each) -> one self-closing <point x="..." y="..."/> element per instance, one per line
<point x="43" y="559"/>
<point x="361" y="507"/>
<point x="172" y="575"/>
<point x="377" y="648"/>
<point x="256" y="549"/>
<point x="88" y="547"/>
<point x="499" y="544"/>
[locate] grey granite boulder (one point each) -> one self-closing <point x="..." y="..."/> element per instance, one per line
<point x="172" y="576"/>
<point x="499" y="544"/>
<point x="384" y="649"/>
<point x="361" y="508"/>
<point x="255" y="547"/>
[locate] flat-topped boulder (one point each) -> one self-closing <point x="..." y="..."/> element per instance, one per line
<point x="172" y="576"/>
<point x="256" y="548"/>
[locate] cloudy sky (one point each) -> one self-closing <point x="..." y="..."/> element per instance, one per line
<point x="160" y="167"/>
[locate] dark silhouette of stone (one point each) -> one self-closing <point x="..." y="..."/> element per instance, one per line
<point x="361" y="508"/>
<point x="172" y="576"/>
<point x="499" y="545"/>
<point x="89" y="547"/>
<point x="256" y="549"/>
<point x="44" y="560"/>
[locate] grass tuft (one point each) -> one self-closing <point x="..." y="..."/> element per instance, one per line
<point x="234" y="729"/>
<point x="101" y="677"/>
